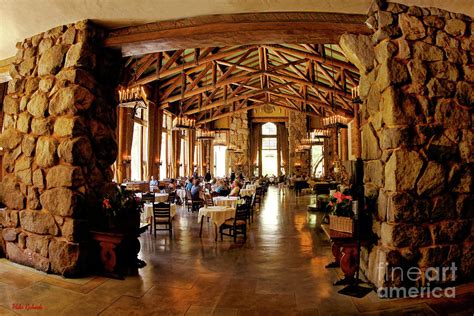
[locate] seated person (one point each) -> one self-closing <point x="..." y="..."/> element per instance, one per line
<point x="189" y="184"/>
<point x="153" y="184"/>
<point x="172" y="185"/>
<point x="235" y="188"/>
<point x="196" y="190"/>
<point x="221" y="188"/>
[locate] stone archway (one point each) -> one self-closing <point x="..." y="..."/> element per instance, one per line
<point x="417" y="139"/>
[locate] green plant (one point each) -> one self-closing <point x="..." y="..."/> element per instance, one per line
<point x="340" y="204"/>
<point x="119" y="206"/>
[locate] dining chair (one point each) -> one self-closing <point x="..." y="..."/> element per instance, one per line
<point x="162" y="216"/>
<point x="236" y="225"/>
<point x="209" y="200"/>
<point x="172" y="197"/>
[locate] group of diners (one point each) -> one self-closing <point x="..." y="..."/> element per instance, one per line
<point x="220" y="199"/>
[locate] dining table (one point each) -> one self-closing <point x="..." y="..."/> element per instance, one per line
<point x="147" y="214"/>
<point x="229" y="201"/>
<point x="246" y="192"/>
<point x="217" y="214"/>
<point x="161" y="197"/>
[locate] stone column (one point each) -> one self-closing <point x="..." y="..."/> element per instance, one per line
<point x="59" y="143"/>
<point x="239" y="137"/>
<point x="417" y="91"/>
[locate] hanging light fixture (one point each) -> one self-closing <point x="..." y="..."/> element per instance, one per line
<point x="183" y="122"/>
<point x="321" y="133"/>
<point x="204" y="134"/>
<point x="336" y="121"/>
<point x="133" y="97"/>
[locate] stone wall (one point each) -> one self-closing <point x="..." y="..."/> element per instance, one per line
<point x="59" y="144"/>
<point x="417" y="138"/>
<point x="239" y="137"/>
<point x="297" y="129"/>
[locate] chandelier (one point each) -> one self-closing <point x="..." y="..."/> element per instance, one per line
<point x="321" y="133"/>
<point x="183" y="122"/>
<point x="336" y="121"/>
<point x="132" y="97"/>
<point x="204" y="134"/>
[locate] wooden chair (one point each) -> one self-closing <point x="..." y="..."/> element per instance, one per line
<point x="209" y="200"/>
<point x="162" y="216"/>
<point x="171" y="197"/>
<point x="258" y="196"/>
<point x="148" y="197"/>
<point x="236" y="225"/>
<point x="248" y="203"/>
<point x="188" y="200"/>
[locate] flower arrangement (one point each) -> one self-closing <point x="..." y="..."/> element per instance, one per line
<point x="340" y="204"/>
<point x="119" y="206"/>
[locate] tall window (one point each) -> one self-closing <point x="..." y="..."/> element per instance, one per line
<point x="219" y="160"/>
<point x="269" y="149"/>
<point x="317" y="161"/>
<point x="139" y="151"/>
<point x="165" y="154"/>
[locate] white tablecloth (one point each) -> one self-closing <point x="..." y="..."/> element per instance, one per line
<point x="218" y="214"/>
<point x="230" y="201"/>
<point x="251" y="186"/>
<point x="161" y="197"/>
<point x="247" y="192"/>
<point x="181" y="193"/>
<point x="148" y="212"/>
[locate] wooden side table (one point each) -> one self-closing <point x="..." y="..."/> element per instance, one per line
<point x="344" y="250"/>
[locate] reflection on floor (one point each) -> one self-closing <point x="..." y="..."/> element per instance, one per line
<point x="280" y="270"/>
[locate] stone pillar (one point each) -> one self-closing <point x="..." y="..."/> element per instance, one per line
<point x="417" y="87"/>
<point x="59" y="143"/>
<point x="297" y="130"/>
<point x="239" y="137"/>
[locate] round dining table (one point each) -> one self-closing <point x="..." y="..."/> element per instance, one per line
<point x="217" y="214"/>
<point x="229" y="201"/>
<point x="147" y="215"/>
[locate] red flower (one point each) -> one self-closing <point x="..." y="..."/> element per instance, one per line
<point x="339" y="196"/>
<point x="106" y="204"/>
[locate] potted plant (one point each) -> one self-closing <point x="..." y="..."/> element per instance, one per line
<point x="117" y="232"/>
<point x="340" y="218"/>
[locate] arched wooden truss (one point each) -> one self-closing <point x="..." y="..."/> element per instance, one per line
<point x="214" y="82"/>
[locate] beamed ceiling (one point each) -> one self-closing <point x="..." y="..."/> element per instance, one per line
<point x="214" y="82"/>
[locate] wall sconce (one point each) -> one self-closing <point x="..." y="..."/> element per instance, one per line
<point x="180" y="164"/>
<point x="158" y="163"/>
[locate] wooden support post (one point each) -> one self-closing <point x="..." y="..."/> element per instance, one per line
<point x="356" y="137"/>
<point x="344" y="144"/>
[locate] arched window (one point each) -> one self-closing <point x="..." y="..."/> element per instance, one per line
<point x="269" y="149"/>
<point x="269" y="129"/>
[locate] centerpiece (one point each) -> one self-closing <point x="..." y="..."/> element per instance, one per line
<point x="340" y="218"/>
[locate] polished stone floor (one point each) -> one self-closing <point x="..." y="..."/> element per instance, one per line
<point x="278" y="271"/>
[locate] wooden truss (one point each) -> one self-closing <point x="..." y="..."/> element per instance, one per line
<point x="215" y="82"/>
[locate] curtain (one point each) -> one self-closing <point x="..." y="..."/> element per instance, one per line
<point x="155" y="127"/>
<point x="191" y="143"/>
<point x="255" y="146"/>
<point x="176" y="150"/>
<point x="125" y="136"/>
<point x="284" y="146"/>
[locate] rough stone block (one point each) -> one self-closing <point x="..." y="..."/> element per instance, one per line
<point x="38" y="222"/>
<point x="64" y="176"/>
<point x="359" y="50"/>
<point x="451" y="231"/>
<point x="443" y="208"/>
<point x="76" y="151"/>
<point x="26" y="257"/>
<point x="59" y="201"/>
<point x="402" y="169"/>
<point x="405" y="235"/>
<point x="38" y="105"/>
<point x="64" y="257"/>
<point x="71" y="99"/>
<point x="433" y="180"/>
<point x="411" y="26"/>
<point x="51" y="61"/>
<point x="45" y="155"/>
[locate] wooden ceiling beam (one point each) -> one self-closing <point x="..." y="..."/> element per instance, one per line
<point x="307" y="55"/>
<point x="223" y="102"/>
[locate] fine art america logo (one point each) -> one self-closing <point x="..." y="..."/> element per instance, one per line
<point x="413" y="275"/>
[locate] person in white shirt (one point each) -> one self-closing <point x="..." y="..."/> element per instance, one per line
<point x="153" y="184"/>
